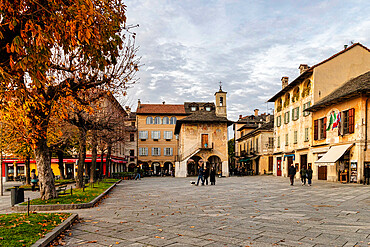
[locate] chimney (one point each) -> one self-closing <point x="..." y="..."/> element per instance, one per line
<point x="240" y="116"/>
<point x="303" y="68"/>
<point x="128" y="110"/>
<point x="138" y="104"/>
<point x="256" y="112"/>
<point x="284" y="81"/>
<point x="345" y="47"/>
<point x="163" y="102"/>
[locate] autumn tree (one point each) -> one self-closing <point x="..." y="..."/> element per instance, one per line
<point x="53" y="49"/>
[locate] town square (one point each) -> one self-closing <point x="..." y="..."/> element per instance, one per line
<point x="184" y="123"/>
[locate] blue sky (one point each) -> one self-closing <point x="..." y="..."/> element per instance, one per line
<point x="187" y="47"/>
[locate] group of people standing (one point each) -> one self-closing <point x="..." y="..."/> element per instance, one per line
<point x="204" y="174"/>
<point x="306" y="174"/>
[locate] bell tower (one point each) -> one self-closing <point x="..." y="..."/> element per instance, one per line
<point x="221" y="102"/>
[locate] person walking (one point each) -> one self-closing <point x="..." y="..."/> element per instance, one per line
<point x="200" y="175"/>
<point x="138" y="173"/>
<point x="206" y="175"/>
<point x="367" y="174"/>
<point x="34" y="179"/>
<point x="291" y="173"/>
<point x="212" y="176"/>
<point x="309" y="175"/>
<point x="303" y="173"/>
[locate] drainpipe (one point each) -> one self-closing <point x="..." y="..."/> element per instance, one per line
<point x="366" y="107"/>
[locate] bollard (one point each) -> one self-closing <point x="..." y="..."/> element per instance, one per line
<point x="28" y="207"/>
<point x="71" y="190"/>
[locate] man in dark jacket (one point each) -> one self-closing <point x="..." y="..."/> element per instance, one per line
<point x="291" y="174"/>
<point x="200" y="175"/>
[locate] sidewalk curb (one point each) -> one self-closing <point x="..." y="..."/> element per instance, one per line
<point x="52" y="207"/>
<point x="50" y="236"/>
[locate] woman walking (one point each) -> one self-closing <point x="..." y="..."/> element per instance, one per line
<point x="309" y="175"/>
<point x="212" y="176"/>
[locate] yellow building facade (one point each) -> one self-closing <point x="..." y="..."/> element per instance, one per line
<point x="294" y="127"/>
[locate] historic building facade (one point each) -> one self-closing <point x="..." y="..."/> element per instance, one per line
<point x="253" y="144"/>
<point x="157" y="143"/>
<point x="203" y="137"/>
<point x="294" y="130"/>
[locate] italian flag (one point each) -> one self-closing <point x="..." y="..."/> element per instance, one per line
<point x="331" y="120"/>
<point x="337" y="121"/>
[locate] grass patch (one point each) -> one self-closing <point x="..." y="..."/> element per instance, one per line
<point x="23" y="230"/>
<point x="78" y="195"/>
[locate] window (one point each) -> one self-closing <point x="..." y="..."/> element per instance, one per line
<point x="143" y="135"/>
<point x="167" y="152"/>
<point x="271" y="142"/>
<point x="166" y="120"/>
<point x="305" y="106"/>
<point x="306" y="135"/>
<point x="286" y="117"/>
<point x="287" y="100"/>
<point x="208" y="108"/>
<point x="295" y="113"/>
<point x="286" y="140"/>
<point x="167" y="135"/>
<point x="143" y="151"/>
<point x="149" y="120"/>
<point x="157" y="120"/>
<point x="221" y="101"/>
<point x="295" y="137"/>
<point x="347" y="124"/>
<point x="193" y="108"/>
<point x="173" y="120"/>
<point x="156" y="135"/>
<point x="278" y="142"/>
<point x="319" y="129"/>
<point x="132" y="155"/>
<point x="278" y="121"/>
<point x="257" y="144"/>
<point x="132" y="137"/>
<point x="279" y="104"/>
<point x="156" y="151"/>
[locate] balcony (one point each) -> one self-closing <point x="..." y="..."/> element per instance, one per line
<point x="206" y="146"/>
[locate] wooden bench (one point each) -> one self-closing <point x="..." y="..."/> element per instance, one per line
<point x="62" y="190"/>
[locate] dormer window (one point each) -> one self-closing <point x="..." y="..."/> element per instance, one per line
<point x="193" y="108"/>
<point x="208" y="108"/>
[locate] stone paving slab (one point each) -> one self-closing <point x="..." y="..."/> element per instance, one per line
<point x="238" y="211"/>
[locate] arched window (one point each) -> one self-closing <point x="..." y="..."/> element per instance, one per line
<point x="279" y="105"/>
<point x="287" y="100"/>
<point x="173" y="120"/>
<point x="157" y="120"/>
<point x="149" y="120"/>
<point x="221" y="101"/>
<point x="295" y="95"/>
<point x="165" y="120"/>
<point x="306" y="88"/>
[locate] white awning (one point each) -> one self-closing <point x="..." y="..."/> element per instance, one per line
<point x="334" y="154"/>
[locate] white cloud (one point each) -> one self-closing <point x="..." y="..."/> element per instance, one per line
<point x="189" y="46"/>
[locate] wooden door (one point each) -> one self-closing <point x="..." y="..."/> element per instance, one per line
<point x="322" y="172"/>
<point x="204" y="140"/>
<point x="278" y="163"/>
<point x="271" y="163"/>
<point x="303" y="161"/>
<point x="290" y="162"/>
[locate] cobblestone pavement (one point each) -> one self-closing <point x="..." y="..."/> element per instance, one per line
<point x="237" y="211"/>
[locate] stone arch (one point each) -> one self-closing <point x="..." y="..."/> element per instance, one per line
<point x="215" y="161"/>
<point x="167" y="166"/>
<point x="192" y="165"/>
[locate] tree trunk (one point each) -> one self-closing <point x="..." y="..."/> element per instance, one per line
<point x="109" y="153"/>
<point x="101" y="168"/>
<point x="28" y="172"/>
<point x="60" y="163"/>
<point x="81" y="157"/>
<point x="94" y="154"/>
<point x="45" y="174"/>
